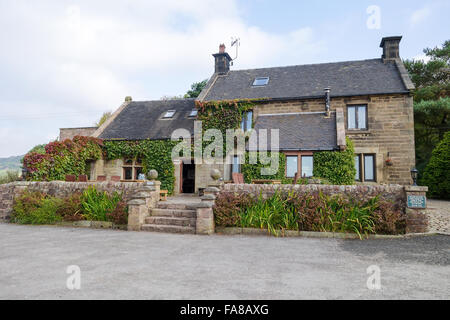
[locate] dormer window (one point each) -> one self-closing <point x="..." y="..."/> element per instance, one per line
<point x="261" y="81"/>
<point x="169" y="114"/>
<point x="193" y="113"/>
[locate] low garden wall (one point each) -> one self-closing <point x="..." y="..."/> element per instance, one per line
<point x="393" y="192"/>
<point x="60" y="189"/>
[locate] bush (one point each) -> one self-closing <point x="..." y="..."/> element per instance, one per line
<point x="96" y="205"/>
<point x="228" y="206"/>
<point x="337" y="167"/>
<point x="71" y="209"/>
<point x="309" y="212"/>
<point x="437" y="173"/>
<point x="35" y="208"/>
<point x="120" y="214"/>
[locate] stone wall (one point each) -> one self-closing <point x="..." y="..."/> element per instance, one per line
<point x="390" y="129"/>
<point x="392" y="192"/>
<point x="60" y="189"/>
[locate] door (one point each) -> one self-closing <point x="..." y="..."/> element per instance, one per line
<point x="188" y="178"/>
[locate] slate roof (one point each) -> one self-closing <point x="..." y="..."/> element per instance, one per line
<point x="301" y="131"/>
<point x="308" y="81"/>
<point x="142" y="120"/>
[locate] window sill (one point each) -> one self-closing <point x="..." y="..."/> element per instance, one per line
<point x="355" y="132"/>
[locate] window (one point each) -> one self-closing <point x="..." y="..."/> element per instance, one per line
<point x="291" y="166"/>
<point x="260" y="81"/>
<point x="236" y="166"/>
<point x="369" y="167"/>
<point x="246" y="122"/>
<point x="169" y="114"/>
<point x="307" y="166"/>
<point x="358" y="167"/>
<point x="357" y="117"/>
<point x="193" y="113"/>
<point x="365" y="165"/>
<point x="132" y="168"/>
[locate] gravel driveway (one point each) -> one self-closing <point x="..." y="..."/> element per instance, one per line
<point x="141" y="265"/>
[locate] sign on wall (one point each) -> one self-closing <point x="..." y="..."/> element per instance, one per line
<point x="417" y="202"/>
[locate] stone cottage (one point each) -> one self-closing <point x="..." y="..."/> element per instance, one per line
<point x="315" y="107"/>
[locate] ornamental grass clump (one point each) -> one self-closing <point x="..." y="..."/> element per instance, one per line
<point x="96" y="204"/>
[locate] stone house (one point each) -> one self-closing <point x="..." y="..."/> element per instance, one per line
<point x="315" y="107"/>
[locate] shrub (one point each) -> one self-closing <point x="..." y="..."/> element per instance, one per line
<point x="337" y="167"/>
<point x="228" y="206"/>
<point x="96" y="204"/>
<point x="70" y="208"/>
<point x="120" y="214"/>
<point x="35" y="208"/>
<point x="437" y="173"/>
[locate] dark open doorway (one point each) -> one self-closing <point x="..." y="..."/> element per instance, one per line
<point x="188" y="182"/>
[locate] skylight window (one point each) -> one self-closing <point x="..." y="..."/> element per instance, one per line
<point x="193" y="113"/>
<point x="169" y="114"/>
<point x="261" y="81"/>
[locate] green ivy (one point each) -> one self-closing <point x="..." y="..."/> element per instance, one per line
<point x="155" y="154"/>
<point x="337" y="167"/>
<point x="253" y="171"/>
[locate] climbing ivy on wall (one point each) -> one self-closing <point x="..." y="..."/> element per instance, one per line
<point x="222" y="115"/>
<point x="155" y="154"/>
<point x="61" y="158"/>
<point x="253" y="171"/>
<point x="338" y="167"/>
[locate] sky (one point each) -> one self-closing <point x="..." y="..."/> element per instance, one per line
<point x="64" y="63"/>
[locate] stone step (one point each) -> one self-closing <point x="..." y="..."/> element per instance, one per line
<point x="171" y="221"/>
<point x="166" y="228"/>
<point x="176" y="206"/>
<point x="177" y="213"/>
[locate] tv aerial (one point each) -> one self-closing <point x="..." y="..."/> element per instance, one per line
<point x="235" y="42"/>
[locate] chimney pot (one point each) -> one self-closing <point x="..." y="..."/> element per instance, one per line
<point x="222" y="48"/>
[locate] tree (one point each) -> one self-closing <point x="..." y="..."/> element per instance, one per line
<point x="432" y="78"/>
<point x="437" y="173"/>
<point x="432" y="121"/>
<point x="196" y="88"/>
<point x="105" y="116"/>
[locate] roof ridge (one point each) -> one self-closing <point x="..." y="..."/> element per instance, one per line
<point x="163" y="100"/>
<point x="308" y="64"/>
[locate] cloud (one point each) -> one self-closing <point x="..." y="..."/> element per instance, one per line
<point x="420" y="16"/>
<point x="70" y="61"/>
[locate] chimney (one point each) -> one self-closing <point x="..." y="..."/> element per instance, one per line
<point x="221" y="61"/>
<point x="390" y="47"/>
<point x="327" y="101"/>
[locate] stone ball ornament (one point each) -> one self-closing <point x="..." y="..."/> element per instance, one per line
<point x="152" y="174"/>
<point x="215" y="174"/>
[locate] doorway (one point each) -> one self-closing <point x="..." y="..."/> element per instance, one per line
<point x="188" y="178"/>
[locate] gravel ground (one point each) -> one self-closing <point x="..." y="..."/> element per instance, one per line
<point x="144" y="265"/>
<point x="438" y="215"/>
